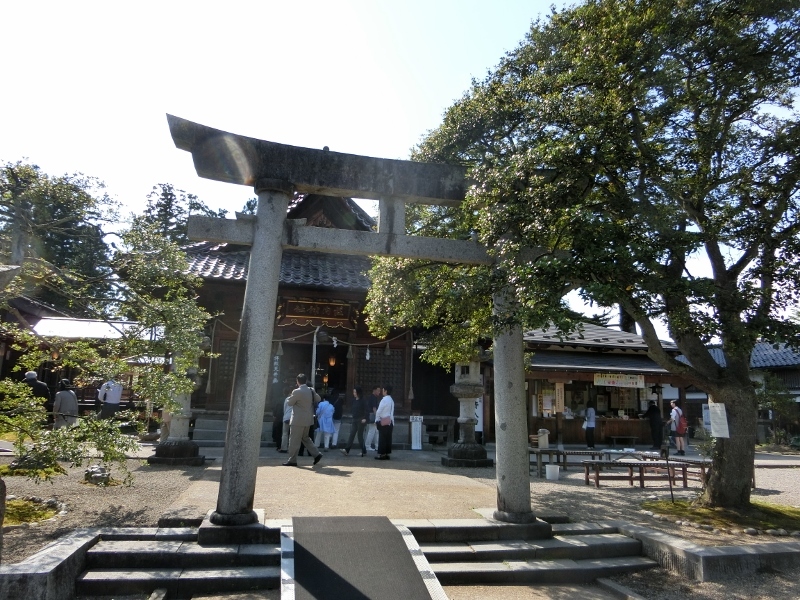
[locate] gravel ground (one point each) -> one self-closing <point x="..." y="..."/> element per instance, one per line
<point x="156" y="488"/>
<point x="140" y="505"/>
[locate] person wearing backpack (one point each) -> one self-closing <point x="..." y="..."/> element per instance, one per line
<point x="677" y="427"/>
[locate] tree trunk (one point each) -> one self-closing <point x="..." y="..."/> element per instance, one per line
<point x="732" y="468"/>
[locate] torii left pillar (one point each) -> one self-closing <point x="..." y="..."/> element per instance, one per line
<point x="250" y="381"/>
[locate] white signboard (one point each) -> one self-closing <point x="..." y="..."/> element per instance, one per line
<point x="479" y="414"/>
<point x="416" y="431"/>
<point x="719" y="420"/>
<point x="559" y="400"/>
<point x="619" y="380"/>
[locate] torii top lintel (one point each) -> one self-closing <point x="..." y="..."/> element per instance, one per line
<point x="232" y="158"/>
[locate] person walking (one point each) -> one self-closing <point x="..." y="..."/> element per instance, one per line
<point x="65" y="406"/>
<point x="359" y="421"/>
<point x="384" y="419"/>
<point x="39" y="389"/>
<point x="372" y="406"/>
<point x="656" y="424"/>
<point x="590" y="424"/>
<point x="325" y="420"/>
<point x="287" y="419"/>
<point x="338" y="410"/>
<point x="679" y="438"/>
<point x="302" y="403"/>
<point x="110" y="395"/>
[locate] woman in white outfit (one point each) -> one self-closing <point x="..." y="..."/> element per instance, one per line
<point x="385" y="413"/>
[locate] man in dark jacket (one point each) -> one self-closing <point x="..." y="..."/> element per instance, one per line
<point x="359" y="421"/>
<point x="656" y="424"/>
<point x="40" y="390"/>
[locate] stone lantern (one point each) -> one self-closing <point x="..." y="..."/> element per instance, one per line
<point x="178" y="449"/>
<point x="466" y="452"/>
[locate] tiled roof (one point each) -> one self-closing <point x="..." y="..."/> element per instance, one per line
<point x="554" y="360"/>
<point x="591" y="336"/>
<point x="765" y="356"/>
<point x="212" y="261"/>
<point x="308" y="269"/>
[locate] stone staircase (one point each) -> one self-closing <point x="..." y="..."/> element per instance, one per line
<point x="459" y="552"/>
<point x="173" y="561"/>
<point x="577" y="553"/>
<point x="209" y="432"/>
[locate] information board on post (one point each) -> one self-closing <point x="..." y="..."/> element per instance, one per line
<point x="559" y="399"/>
<point x="719" y="420"/>
<point x="416" y="431"/>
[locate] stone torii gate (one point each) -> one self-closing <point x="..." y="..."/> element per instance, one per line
<point x="276" y="171"/>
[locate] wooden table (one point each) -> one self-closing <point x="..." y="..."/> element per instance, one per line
<point x="614" y="439"/>
<point x="635" y="454"/>
<point x="540" y="452"/>
<point x="561" y="456"/>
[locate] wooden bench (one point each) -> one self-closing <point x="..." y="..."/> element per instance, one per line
<point x="614" y="439"/>
<point x="701" y="467"/>
<point x="641" y="470"/>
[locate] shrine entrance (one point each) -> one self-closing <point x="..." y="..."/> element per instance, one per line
<point x="276" y="172"/>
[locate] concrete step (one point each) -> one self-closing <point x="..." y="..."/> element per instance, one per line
<point x="537" y="571"/>
<point x="140" y="554"/>
<point x="210" y="433"/>
<point x="221" y="443"/>
<point x="576" y="547"/>
<point x="211" y="424"/>
<point x="179" y="583"/>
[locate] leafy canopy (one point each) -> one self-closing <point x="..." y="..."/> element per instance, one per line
<point x="655" y="142"/>
<point x="652" y="148"/>
<point x="53" y="226"/>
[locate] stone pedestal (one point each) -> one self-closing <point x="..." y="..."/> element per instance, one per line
<point x="466" y="452"/>
<point x="212" y="534"/>
<point x="177" y="453"/>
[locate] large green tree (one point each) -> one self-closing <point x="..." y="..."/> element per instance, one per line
<point x="151" y="283"/>
<point x="146" y="279"/>
<point x="655" y="144"/>
<point x="54" y="224"/>
<point x="168" y="211"/>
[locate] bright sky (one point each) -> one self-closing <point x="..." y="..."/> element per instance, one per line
<point x="88" y="84"/>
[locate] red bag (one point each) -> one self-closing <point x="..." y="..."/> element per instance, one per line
<point x="682" y="425"/>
